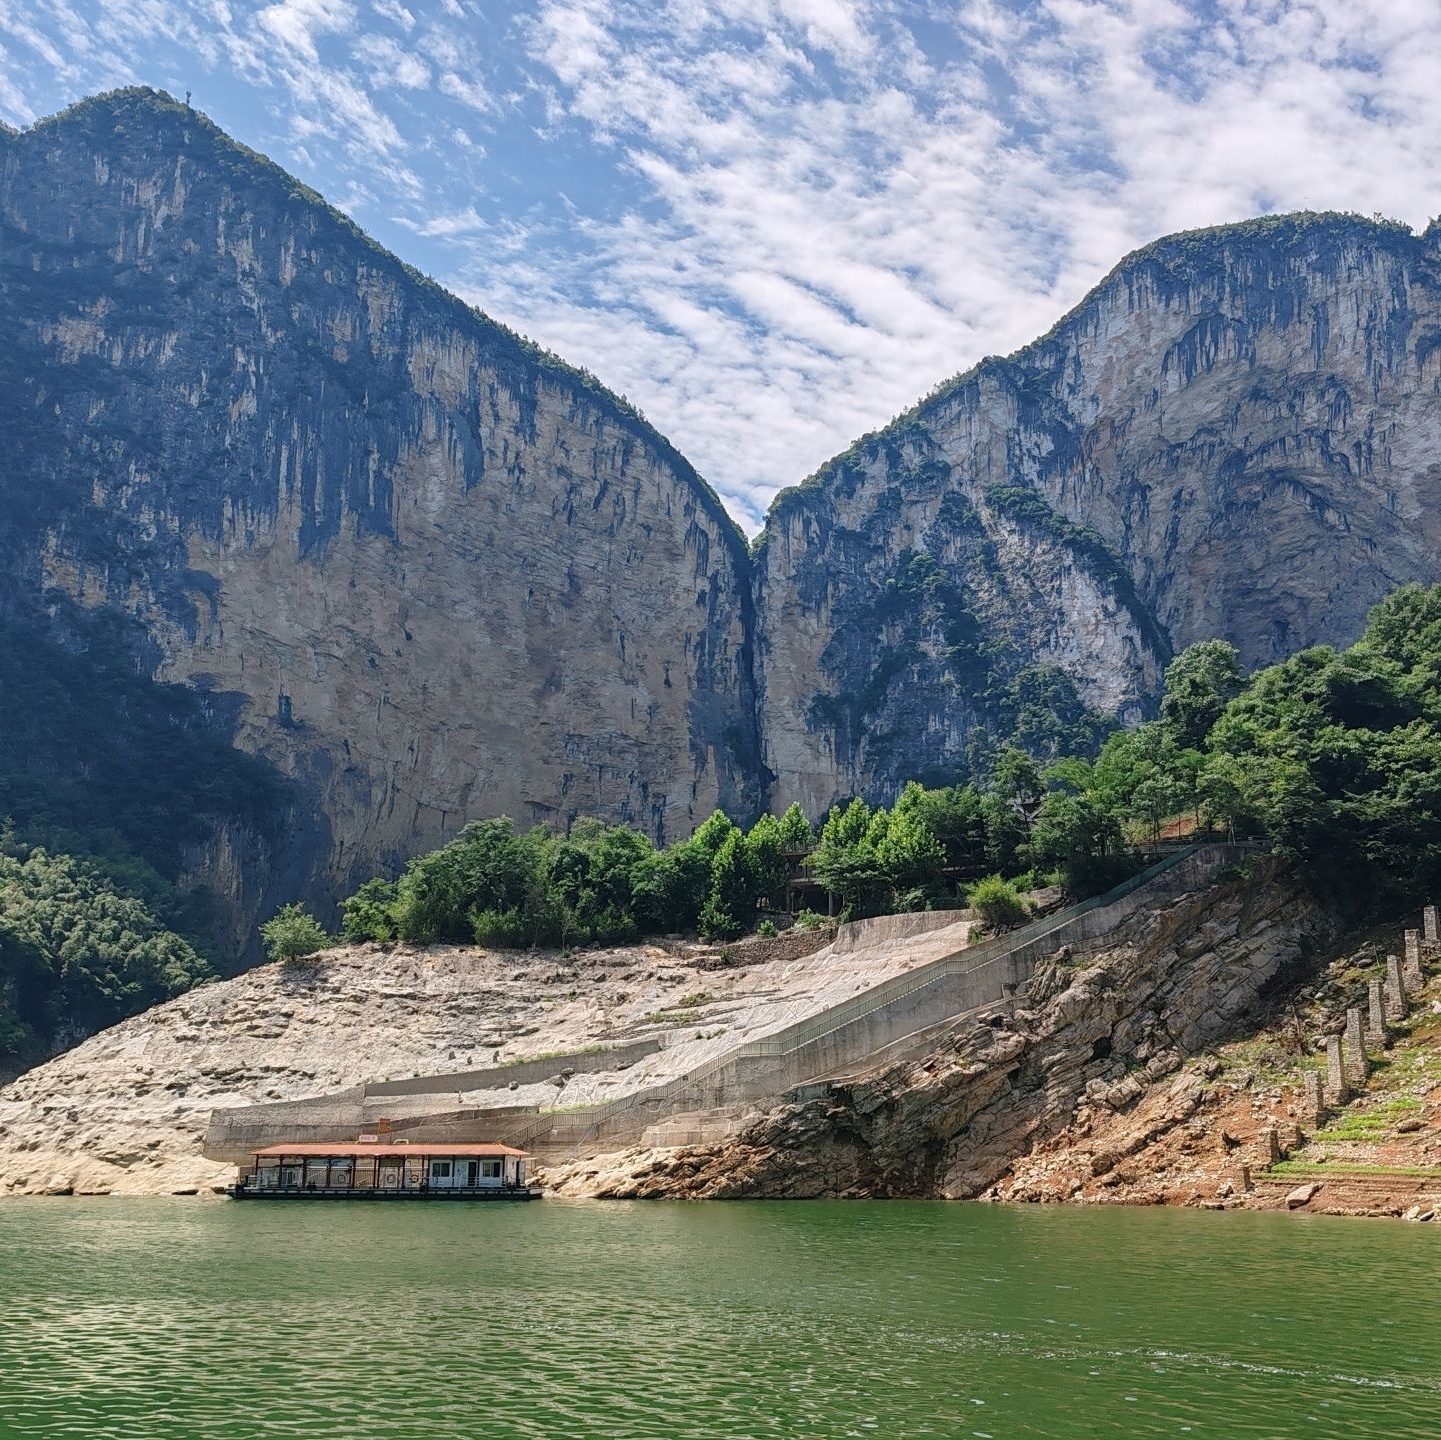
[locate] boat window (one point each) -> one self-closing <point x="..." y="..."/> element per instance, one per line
<point x="490" y="1169"/>
<point x="440" y="1169"/>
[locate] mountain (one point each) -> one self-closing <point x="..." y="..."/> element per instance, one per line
<point x="365" y="564"/>
<point x="419" y="567"/>
<point x="1236" y="434"/>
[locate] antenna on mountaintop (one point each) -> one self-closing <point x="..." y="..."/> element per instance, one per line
<point x="187" y="99"/>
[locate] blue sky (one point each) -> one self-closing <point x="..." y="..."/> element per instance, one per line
<point x="773" y="224"/>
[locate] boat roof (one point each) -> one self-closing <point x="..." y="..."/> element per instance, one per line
<point x="341" y="1150"/>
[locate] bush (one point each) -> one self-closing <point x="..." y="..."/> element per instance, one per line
<point x="767" y="930"/>
<point x="292" y="933"/>
<point x="809" y="920"/>
<point x="998" y="903"/>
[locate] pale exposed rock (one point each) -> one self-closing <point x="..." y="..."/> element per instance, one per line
<point x="985" y="1104"/>
<point x="1211" y="414"/>
<point x="429" y="572"/>
<point x="1302" y="1196"/>
<point x="125" y="1111"/>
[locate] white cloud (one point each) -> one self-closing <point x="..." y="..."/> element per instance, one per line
<point x="299" y="24"/>
<point x="396" y="13"/>
<point x="388" y="64"/>
<point x="461" y="222"/>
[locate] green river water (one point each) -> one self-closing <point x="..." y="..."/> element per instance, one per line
<point x="167" y="1320"/>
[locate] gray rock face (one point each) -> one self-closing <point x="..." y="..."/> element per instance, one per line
<point x="1236" y="434"/>
<point x="427" y="570"/>
<point x="433" y="574"/>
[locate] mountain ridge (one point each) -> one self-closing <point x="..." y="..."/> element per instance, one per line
<point x="428" y="571"/>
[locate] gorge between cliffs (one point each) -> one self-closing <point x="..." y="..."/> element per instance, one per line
<point x="309" y="564"/>
<point x="419" y="571"/>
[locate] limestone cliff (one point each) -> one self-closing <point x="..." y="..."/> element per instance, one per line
<point x="1235" y="434"/>
<point x="427" y="570"/>
<point x="431" y="573"/>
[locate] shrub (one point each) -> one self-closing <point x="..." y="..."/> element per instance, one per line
<point x="998" y="903"/>
<point x="809" y="920"/>
<point x="767" y="930"/>
<point x="292" y="933"/>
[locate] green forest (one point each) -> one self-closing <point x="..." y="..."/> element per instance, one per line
<point x="1333" y="758"/>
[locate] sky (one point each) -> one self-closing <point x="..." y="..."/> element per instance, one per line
<point x="774" y="224"/>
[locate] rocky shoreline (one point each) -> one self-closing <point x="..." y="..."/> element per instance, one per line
<point x="1166" y="1065"/>
<point x="1165" y="1069"/>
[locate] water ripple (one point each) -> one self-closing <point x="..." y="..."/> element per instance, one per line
<point x="159" y="1320"/>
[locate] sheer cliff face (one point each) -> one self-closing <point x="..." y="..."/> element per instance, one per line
<point x="430" y="572"/>
<point x="1237" y="434"/>
<point x="433" y="574"/>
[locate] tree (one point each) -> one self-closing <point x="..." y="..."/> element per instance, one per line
<point x="955" y="816"/>
<point x="1075" y="832"/>
<point x="292" y="933"/>
<point x="669" y="888"/>
<point x="731" y="905"/>
<point x="796" y="832"/>
<point x="1016" y="778"/>
<point x="845" y="861"/>
<point x="1145" y="775"/>
<point x="369" y="914"/>
<point x="1200" y="682"/>
<point x="767" y="856"/>
<point x="483" y="868"/>
<point x="910" y="856"/>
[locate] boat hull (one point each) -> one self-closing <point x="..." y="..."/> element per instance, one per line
<point x="244" y="1192"/>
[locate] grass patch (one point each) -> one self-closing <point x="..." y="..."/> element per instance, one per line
<point x="1372" y="1125"/>
<point x="1322" y="1169"/>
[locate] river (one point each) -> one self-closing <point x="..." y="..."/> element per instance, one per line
<point x="187" y="1320"/>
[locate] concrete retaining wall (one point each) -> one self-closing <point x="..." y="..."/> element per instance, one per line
<point x="885" y="929"/>
<point x="846" y="1036"/>
<point x="831" y="1043"/>
<point x="522" y="1072"/>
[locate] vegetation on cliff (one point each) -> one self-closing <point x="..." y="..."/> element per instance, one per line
<point x="76" y="951"/>
<point x="108" y="784"/>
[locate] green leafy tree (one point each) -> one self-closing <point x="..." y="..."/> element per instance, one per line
<point x="955" y="815"/>
<point x="1200" y="682"/>
<point x="1075" y="832"/>
<point x="909" y="854"/>
<point x="292" y="933"/>
<point x="730" y="908"/>
<point x="369" y="914"/>
<point x="76" y="952"/>
<point x="1145" y="775"/>
<point x="483" y="868"/>
<point x="766" y="845"/>
<point x="796" y="832"/>
<point x="845" y="862"/>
